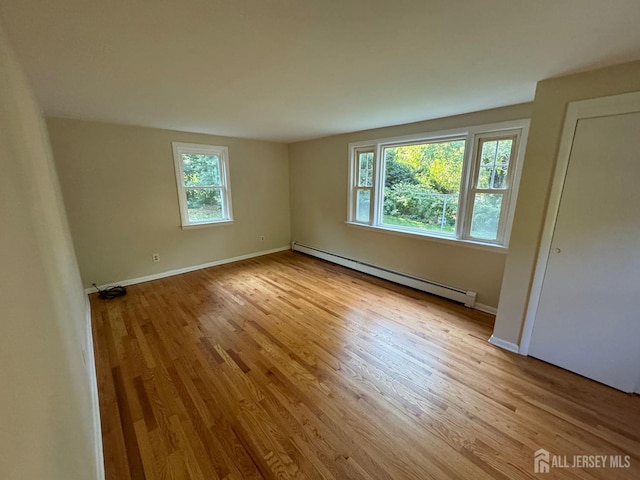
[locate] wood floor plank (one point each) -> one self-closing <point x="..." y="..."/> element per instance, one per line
<point x="290" y="367"/>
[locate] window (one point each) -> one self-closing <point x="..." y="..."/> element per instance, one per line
<point x="457" y="185"/>
<point x="364" y="188"/>
<point x="202" y="175"/>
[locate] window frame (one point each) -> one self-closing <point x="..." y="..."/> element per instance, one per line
<point x="222" y="153"/>
<point x="473" y="136"/>
<point x="357" y="187"/>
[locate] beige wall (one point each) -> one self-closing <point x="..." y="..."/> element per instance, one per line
<point x="552" y="97"/>
<point x="48" y="404"/>
<point x="319" y="188"/>
<point x="120" y="192"/>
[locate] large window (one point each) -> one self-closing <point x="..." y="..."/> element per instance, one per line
<point x="457" y="185"/>
<point x="202" y="175"/>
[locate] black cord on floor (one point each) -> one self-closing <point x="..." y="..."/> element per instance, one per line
<point x="111" y="292"/>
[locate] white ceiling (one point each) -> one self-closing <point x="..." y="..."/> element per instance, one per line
<point x="287" y="70"/>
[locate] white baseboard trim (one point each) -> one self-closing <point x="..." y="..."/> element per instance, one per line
<point x="93" y="385"/>
<point x="178" y="271"/>
<point x="468" y="298"/>
<point x="498" y="342"/>
<point x="486" y="308"/>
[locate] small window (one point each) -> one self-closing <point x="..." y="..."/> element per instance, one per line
<point x="491" y="187"/>
<point x="364" y="188"/>
<point x="202" y="175"/>
<point x="457" y="185"/>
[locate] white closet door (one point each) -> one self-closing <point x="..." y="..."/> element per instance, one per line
<point x="588" y="316"/>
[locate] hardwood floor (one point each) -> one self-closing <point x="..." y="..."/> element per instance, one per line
<point x="285" y="366"/>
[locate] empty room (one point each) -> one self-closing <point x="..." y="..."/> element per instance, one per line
<point x="319" y="239"/>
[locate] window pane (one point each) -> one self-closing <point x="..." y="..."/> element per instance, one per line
<point x="422" y="184"/>
<point x="486" y="215"/>
<point x="201" y="170"/>
<point x="494" y="163"/>
<point x="365" y="169"/>
<point x="204" y="204"/>
<point x="363" y="206"/>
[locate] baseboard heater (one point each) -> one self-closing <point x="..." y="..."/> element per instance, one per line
<point x="466" y="297"/>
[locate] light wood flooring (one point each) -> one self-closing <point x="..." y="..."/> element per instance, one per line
<point x="286" y="366"/>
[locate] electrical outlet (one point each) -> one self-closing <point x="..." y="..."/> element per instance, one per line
<point x="262" y="238"/>
<point x="155" y="257"/>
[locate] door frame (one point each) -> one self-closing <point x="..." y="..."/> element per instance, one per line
<point x="578" y="110"/>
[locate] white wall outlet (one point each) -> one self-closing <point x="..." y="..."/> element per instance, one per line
<point x="262" y="238"/>
<point x="155" y="257"/>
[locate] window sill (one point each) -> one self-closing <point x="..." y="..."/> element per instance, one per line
<point x="208" y="224"/>
<point x="433" y="238"/>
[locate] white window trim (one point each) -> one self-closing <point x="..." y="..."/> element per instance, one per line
<point x="472" y="135"/>
<point x="372" y="189"/>
<point x="199" y="149"/>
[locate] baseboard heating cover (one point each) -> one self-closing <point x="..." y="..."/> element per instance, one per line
<point x="466" y="297"/>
